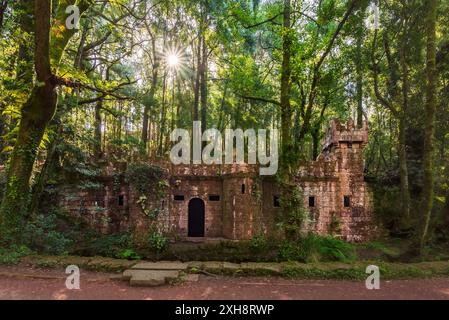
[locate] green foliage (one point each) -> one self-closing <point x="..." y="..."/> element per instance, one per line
<point x="335" y="224"/>
<point x="128" y="254"/>
<point x="144" y="177"/>
<point x="115" y="246"/>
<point x="313" y="248"/>
<point x="42" y="235"/>
<point x="259" y="243"/>
<point x="157" y="241"/>
<point x="293" y="213"/>
<point x="13" y="254"/>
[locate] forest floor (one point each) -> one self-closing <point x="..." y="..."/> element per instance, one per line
<point x="21" y="282"/>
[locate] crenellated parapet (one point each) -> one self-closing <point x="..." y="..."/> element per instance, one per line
<point x="348" y="134"/>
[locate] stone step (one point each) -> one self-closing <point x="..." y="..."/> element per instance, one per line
<point x="149" y="278"/>
<point x="161" y="265"/>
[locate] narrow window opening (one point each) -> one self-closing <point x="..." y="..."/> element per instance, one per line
<point x="276" y="202"/>
<point x="121" y="200"/>
<point x="347" y="201"/>
<point x="214" y="197"/>
<point x="179" y="198"/>
<point x="243" y="188"/>
<point x="311" y="202"/>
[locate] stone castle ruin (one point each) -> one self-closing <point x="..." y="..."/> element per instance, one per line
<point x="233" y="201"/>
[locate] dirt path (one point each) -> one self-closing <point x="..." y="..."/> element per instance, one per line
<point x="26" y="283"/>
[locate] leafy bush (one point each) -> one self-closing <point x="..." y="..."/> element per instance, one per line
<point x="13" y="254"/>
<point x="293" y="213"/>
<point x="42" y="235"/>
<point x="313" y="248"/>
<point x="128" y="254"/>
<point x="116" y="245"/>
<point x="157" y="241"/>
<point x="289" y="251"/>
<point x="258" y="243"/>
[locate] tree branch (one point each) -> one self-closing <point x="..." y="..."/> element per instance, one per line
<point x="259" y="99"/>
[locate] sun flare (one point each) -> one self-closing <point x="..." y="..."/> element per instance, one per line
<point x="173" y="60"/>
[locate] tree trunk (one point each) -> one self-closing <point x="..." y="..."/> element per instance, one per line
<point x="315" y="133"/>
<point x="286" y="110"/>
<point x="98" y="130"/>
<point x="51" y="159"/>
<point x="203" y="84"/>
<point x="196" y="103"/>
<point x="403" y="171"/>
<point x="149" y="103"/>
<point x="163" y="117"/>
<point x="3" y="6"/>
<point x="359" y="68"/>
<point x="24" y="69"/>
<point x="429" y="121"/>
<point x="36" y="114"/>
<point x="403" y="166"/>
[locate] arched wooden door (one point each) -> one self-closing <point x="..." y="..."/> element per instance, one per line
<point x="197" y="218"/>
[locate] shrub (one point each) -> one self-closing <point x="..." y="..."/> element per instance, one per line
<point x="42" y="235"/>
<point x="128" y="254"/>
<point x="157" y="241"/>
<point x="313" y="248"/>
<point x="115" y="245"/>
<point x="13" y="254"/>
<point x="289" y="251"/>
<point x="258" y="243"/>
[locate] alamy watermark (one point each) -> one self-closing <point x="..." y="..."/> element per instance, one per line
<point x="73" y="280"/>
<point x="373" y="280"/>
<point x="373" y="20"/>
<point x="73" y="20"/>
<point x="189" y="150"/>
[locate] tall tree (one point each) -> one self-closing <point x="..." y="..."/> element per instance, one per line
<point x="36" y="114"/>
<point x="429" y="128"/>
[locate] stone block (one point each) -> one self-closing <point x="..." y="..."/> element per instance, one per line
<point x="162" y="265"/>
<point x="149" y="278"/>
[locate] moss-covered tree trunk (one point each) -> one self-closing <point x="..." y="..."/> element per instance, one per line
<point x="429" y="121"/>
<point x="36" y="114"/>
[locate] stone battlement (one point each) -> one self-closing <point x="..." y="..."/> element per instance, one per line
<point x="348" y="133"/>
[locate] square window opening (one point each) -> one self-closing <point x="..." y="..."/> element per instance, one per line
<point x="214" y="197"/>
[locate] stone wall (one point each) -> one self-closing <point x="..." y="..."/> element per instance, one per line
<point x="240" y="204"/>
<point x="105" y="209"/>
